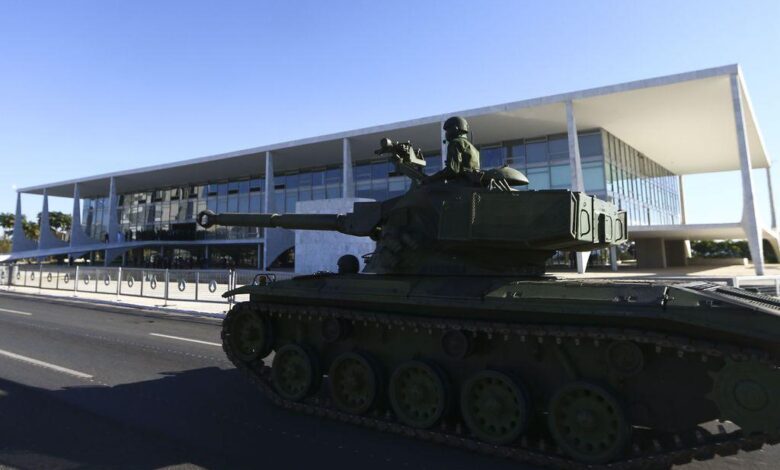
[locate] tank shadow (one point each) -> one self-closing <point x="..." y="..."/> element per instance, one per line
<point x="207" y="417"/>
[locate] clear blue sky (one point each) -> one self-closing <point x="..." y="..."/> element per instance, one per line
<point x="88" y="87"/>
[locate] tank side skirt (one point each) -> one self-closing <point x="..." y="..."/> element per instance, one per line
<point x="535" y="312"/>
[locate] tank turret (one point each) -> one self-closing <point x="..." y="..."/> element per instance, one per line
<point x="476" y="224"/>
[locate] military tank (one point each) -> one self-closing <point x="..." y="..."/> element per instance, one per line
<point x="453" y="333"/>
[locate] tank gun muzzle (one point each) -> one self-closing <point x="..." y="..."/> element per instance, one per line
<point x="206" y="219"/>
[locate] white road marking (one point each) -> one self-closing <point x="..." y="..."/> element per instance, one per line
<point x="6" y="310"/>
<point x="186" y="339"/>
<point x="47" y="365"/>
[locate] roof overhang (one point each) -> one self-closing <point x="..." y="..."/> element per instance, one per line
<point x="684" y="122"/>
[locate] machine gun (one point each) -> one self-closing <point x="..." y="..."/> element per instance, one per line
<point x="408" y="161"/>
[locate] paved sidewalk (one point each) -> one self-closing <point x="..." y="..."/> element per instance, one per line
<point x="125" y="300"/>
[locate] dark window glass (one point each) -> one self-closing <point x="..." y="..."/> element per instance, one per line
<point x="536" y="153"/>
<point x="380" y="170"/>
<point x="256" y="184"/>
<point x="518" y="157"/>
<point x="290" y="199"/>
<point x="492" y="157"/>
<point x="539" y="178"/>
<point x="317" y="178"/>
<point x="255" y="202"/>
<point x="318" y="185"/>
<point x="558" y="145"/>
<point x="333" y="175"/>
<point x="432" y="164"/>
<point x="560" y="176"/>
<point x="304" y="180"/>
<point x="590" y="145"/>
<point x="593" y="176"/>
<point x="361" y="172"/>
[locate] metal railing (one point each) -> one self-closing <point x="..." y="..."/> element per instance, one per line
<point x="769" y="285"/>
<point x="163" y="284"/>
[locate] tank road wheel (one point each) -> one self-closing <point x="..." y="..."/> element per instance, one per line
<point x="494" y="407"/>
<point x="354" y="383"/>
<point x="748" y="394"/>
<point x="295" y="372"/>
<point x="418" y="394"/>
<point x="588" y="423"/>
<point x="248" y="335"/>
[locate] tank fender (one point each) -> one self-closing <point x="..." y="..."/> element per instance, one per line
<point x="247" y="289"/>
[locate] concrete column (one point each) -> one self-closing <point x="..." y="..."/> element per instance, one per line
<point x="676" y="253"/>
<point x="43" y="225"/>
<point x="46" y="238"/>
<point x="348" y="185"/>
<point x="613" y="258"/>
<point x="682" y="199"/>
<point x="650" y="253"/>
<point x="443" y="137"/>
<point x="268" y="204"/>
<point x="575" y="163"/>
<point x="577" y="183"/>
<point x="113" y="203"/>
<point x="772" y="212"/>
<point x="20" y="240"/>
<point x="749" y="212"/>
<point x="75" y="218"/>
<point x="77" y="235"/>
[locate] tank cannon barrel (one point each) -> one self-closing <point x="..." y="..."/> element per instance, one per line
<point x="333" y="222"/>
<point x="360" y="223"/>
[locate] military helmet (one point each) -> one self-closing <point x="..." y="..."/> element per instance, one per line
<point x="348" y="264"/>
<point x="456" y="125"/>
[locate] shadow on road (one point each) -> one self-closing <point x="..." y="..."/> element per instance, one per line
<point x="206" y="417"/>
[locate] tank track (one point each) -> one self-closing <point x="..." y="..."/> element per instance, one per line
<point x="660" y="452"/>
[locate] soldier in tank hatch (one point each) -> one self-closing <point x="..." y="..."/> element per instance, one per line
<point x="462" y="156"/>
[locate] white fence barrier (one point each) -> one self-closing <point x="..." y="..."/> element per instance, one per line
<point x="163" y="284"/>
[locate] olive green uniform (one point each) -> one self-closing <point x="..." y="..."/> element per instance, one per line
<point x="461" y="156"/>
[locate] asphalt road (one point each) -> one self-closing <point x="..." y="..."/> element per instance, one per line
<point x="85" y="386"/>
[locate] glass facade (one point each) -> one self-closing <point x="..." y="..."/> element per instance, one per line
<point x="612" y="170"/>
<point x="647" y="191"/>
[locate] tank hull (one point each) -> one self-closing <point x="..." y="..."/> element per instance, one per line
<point x="656" y="360"/>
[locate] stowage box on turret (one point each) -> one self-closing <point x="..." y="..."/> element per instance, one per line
<point x="453" y="333"/>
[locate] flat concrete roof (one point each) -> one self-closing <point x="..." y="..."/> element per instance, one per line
<point x="684" y="122"/>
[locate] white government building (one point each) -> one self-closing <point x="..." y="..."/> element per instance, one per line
<point x="632" y="142"/>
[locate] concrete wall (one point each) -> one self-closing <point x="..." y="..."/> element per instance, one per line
<point x="660" y="253"/>
<point x="318" y="250"/>
<point x="650" y="253"/>
<point x="676" y="253"/>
